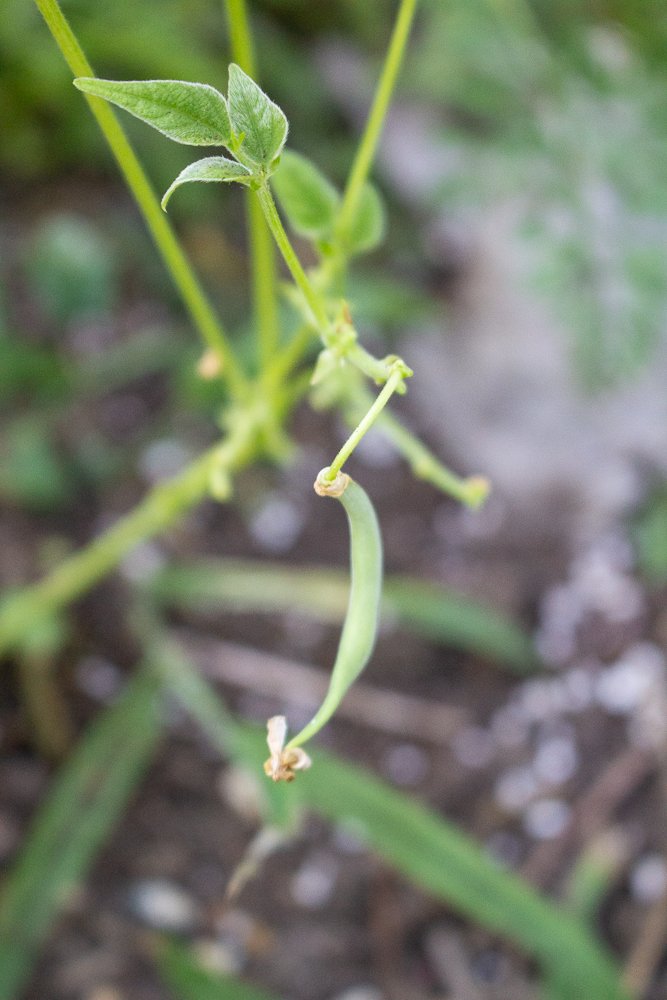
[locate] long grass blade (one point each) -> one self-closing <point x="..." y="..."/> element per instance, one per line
<point x="187" y="979"/>
<point x="450" y="866"/>
<point x="86" y="800"/>
<point x="447" y="864"/>
<point x="425" y="609"/>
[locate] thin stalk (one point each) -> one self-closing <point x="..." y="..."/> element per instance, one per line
<point x="395" y="379"/>
<point x="300" y="277"/>
<point x="177" y="265"/>
<point x="471" y="491"/>
<point x="240" y="34"/>
<point x="292" y="353"/>
<point x="383" y="94"/>
<point x="263" y="262"/>
<point x="163" y="505"/>
<point x="264" y="284"/>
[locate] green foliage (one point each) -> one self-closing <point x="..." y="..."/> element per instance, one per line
<point x="422" y="608"/>
<point x="189" y="980"/>
<point x="650" y="536"/>
<point x="557" y="117"/>
<point x="367" y="229"/>
<point x="71" y="268"/>
<point x="449" y="866"/>
<point x="192" y="113"/>
<point x="312" y="205"/>
<point x="436" y="856"/>
<point x="305" y="195"/>
<point x="259" y="125"/>
<point x="31" y="473"/>
<point x="86" y="800"/>
<point x="212" y="168"/>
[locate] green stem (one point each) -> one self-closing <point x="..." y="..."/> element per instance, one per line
<point x="300" y="277"/>
<point x="471" y="491"/>
<point x="166" y="242"/>
<point x="242" y="47"/>
<point x="159" y="509"/>
<point x="291" y="355"/>
<point x="264" y="286"/>
<point x="395" y="379"/>
<point x="383" y="94"/>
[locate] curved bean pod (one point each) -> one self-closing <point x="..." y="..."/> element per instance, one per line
<point x="359" y="631"/>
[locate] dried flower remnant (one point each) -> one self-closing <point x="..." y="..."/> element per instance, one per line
<point x="283" y="763"/>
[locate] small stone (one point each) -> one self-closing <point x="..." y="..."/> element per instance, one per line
<point x="515" y="788"/>
<point x="163" y="459"/>
<point x="242" y="791"/>
<point x="546" y="818"/>
<point x="314" y="882"/>
<point x="277" y="524"/>
<point x="556" y="761"/>
<point x="406" y="764"/>
<point x="221" y="957"/>
<point x="360" y="993"/>
<point x="648" y="878"/>
<point x="163" y="905"/>
<point x="143" y="562"/>
<point x="473" y="747"/>
<point x="98" y="678"/>
<point x="622" y="687"/>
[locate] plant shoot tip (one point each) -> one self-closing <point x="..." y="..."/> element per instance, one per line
<point x="477" y="489"/>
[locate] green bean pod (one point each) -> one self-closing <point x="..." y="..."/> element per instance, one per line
<point x="361" y="621"/>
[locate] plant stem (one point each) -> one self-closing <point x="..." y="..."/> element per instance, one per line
<point x="383" y="94"/>
<point x="166" y="242"/>
<point x="241" y="37"/>
<point x="301" y="279"/>
<point x="265" y="298"/>
<point x="395" y="379"/>
<point x="292" y="353"/>
<point x="158" y="510"/>
<point x="471" y="491"/>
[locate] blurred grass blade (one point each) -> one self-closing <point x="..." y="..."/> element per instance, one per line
<point x="187" y="979"/>
<point x="423" y="608"/>
<point x="442" y="616"/>
<point x="234" y="740"/>
<point x="448" y="865"/>
<point x="86" y="800"/>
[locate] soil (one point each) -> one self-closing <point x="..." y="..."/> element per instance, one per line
<point x="325" y="919"/>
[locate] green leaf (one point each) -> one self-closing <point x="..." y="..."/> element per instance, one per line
<point x="368" y="226"/>
<point x="307" y="198"/>
<point x="86" y="799"/>
<point x="189" y="980"/>
<point x="192" y="113"/>
<point x="259" y="126"/>
<point x="449" y="866"/>
<point x="423" y="608"/>
<point x="211" y="168"/>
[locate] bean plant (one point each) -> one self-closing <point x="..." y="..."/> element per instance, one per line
<point x="321" y="353"/>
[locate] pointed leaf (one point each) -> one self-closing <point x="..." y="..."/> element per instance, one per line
<point x="257" y="122"/>
<point x="192" y="113"/>
<point x="85" y="802"/>
<point x="211" y="168"/>
<point x="368" y="226"/>
<point x="308" y="199"/>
